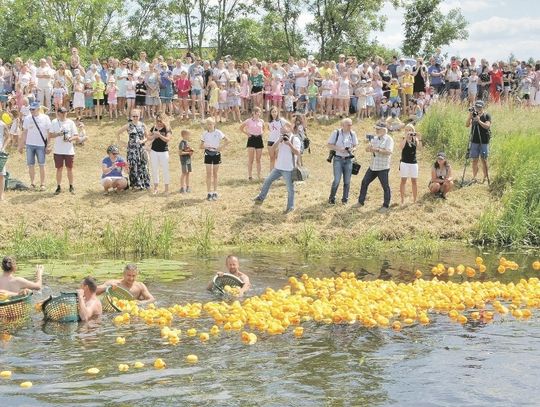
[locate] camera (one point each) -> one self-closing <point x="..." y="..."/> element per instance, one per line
<point x="65" y="135"/>
<point x="285" y="137"/>
<point x="369" y="137"/>
<point x="473" y="111"/>
<point x="331" y="156"/>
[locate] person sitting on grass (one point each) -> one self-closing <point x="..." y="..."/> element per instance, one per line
<point x="138" y="290"/>
<point x="10" y="285"/>
<point x="233" y="267"/>
<point x="89" y="305"/>
<point x="112" y="167"/>
<point x="442" y="181"/>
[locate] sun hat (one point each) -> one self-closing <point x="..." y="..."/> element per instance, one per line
<point x="441" y="155"/>
<point x="380" y="125"/>
<point x="112" y="149"/>
<point x="34" y="105"/>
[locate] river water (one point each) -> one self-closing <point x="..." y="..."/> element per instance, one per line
<point x="442" y="364"/>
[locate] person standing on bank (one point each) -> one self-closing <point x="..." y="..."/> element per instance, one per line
<point x="34" y="136"/>
<point x="64" y="132"/>
<point x="212" y="142"/>
<point x="341" y="144"/>
<point x="287" y="149"/>
<point x="408" y="166"/>
<point x="253" y="129"/>
<point x="381" y="147"/>
<point x="480" y="123"/>
<point x="159" y="153"/>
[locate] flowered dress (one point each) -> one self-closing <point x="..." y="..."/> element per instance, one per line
<point x="139" y="177"/>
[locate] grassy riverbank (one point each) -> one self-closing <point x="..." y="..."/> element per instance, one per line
<point x="40" y="224"/>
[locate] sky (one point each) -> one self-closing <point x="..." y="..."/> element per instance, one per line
<point x="496" y="29"/>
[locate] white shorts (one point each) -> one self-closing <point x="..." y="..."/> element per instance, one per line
<point x="104" y="180"/>
<point x="408" y="170"/>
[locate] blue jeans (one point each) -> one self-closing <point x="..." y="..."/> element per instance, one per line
<point x="369" y="178"/>
<point x="274" y="175"/>
<point x="342" y="166"/>
<point x="32" y="152"/>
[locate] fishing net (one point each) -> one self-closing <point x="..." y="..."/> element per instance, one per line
<point x="226" y="279"/>
<point x="112" y="295"/>
<point x="62" y="308"/>
<point x="15" y="308"/>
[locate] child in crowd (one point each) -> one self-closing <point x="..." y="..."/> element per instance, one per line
<point x="183" y="87"/>
<point x="464" y="85"/>
<point x="98" y="88"/>
<point x="185" y="152"/>
<point x="140" y="95"/>
<point x="82" y="131"/>
<point x="361" y="93"/>
<point x="472" y="86"/>
<point x="383" y="108"/>
<point x="276" y="92"/>
<point x="301" y="101"/>
<point x="197" y="97"/>
<point x="289" y="100"/>
<point x="223" y="107"/>
<point x="213" y="93"/>
<point x="88" y="99"/>
<point x="58" y="92"/>
<point x="268" y="93"/>
<point x="393" y="123"/>
<point x="131" y="93"/>
<point x="394" y="91"/>
<point x="395" y="109"/>
<point x="407" y="83"/>
<point x="233" y="100"/>
<point x="244" y="92"/>
<point x="111" y="91"/>
<point x="370" y="101"/>
<point x="313" y="93"/>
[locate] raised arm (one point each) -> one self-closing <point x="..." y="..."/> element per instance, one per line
<point x="147" y="297"/>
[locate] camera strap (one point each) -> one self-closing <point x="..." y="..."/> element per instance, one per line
<point x="40" y="133"/>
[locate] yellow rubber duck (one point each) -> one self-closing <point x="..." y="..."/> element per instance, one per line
<point x="159" y="363"/>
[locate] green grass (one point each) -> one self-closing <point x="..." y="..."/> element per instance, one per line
<point x="514" y="219"/>
<point x="42" y="245"/>
<point x="202" y="237"/>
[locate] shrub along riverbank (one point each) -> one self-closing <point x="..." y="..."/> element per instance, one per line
<point x="41" y="224"/>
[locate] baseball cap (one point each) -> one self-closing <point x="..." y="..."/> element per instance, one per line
<point x="479" y="104"/>
<point x="34" y="105"/>
<point x="112" y="149"/>
<point x="62" y="110"/>
<point x="380" y="125"/>
<point x="441" y="155"/>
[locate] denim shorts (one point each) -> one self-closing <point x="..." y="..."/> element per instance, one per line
<point x="32" y="152"/>
<point x="478" y="150"/>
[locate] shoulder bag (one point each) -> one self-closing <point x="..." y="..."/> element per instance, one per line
<point x="299" y="173"/>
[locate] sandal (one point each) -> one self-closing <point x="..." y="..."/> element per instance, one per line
<point x="42" y="188"/>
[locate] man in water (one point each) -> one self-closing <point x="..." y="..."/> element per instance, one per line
<point x="136" y="288"/>
<point x="11" y="285"/>
<point x="89" y="304"/>
<point x="233" y="267"/>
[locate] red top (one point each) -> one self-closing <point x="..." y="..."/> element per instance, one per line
<point x="183" y="86"/>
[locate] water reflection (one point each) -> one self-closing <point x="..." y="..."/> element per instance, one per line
<point x="330" y="366"/>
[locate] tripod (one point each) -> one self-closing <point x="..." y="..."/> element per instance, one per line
<point x="467" y="158"/>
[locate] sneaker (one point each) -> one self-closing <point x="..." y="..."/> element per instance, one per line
<point x="42" y="188"/>
<point x="344" y="201"/>
<point x="209" y="197"/>
<point x="258" y="201"/>
<point x="214" y="196"/>
<point x="288" y="210"/>
<point x="188" y="190"/>
<point x="58" y="190"/>
<point x="332" y="201"/>
<point x="358" y="205"/>
<point x="71" y="189"/>
<point x="383" y="209"/>
<point x="182" y="190"/>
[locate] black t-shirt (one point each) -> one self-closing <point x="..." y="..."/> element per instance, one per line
<point x="408" y="154"/>
<point x="507" y="77"/>
<point x="158" y="145"/>
<point x="140" y="89"/>
<point x="481" y="135"/>
<point x="386" y="78"/>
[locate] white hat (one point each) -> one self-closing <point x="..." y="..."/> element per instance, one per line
<point x="310" y="58"/>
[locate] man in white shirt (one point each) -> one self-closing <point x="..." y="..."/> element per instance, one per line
<point x="143" y="64"/>
<point x="44" y="75"/>
<point x="288" y="150"/>
<point x="64" y="132"/>
<point x="381" y="147"/>
<point x="301" y="76"/>
<point x="177" y="70"/>
<point x="34" y="137"/>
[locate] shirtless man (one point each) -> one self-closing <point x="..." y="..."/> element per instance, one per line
<point x="233" y="267"/>
<point x="136" y="288"/>
<point x="89" y="304"/>
<point x="10" y="285"/>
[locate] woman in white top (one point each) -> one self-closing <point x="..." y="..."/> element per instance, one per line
<point x="4" y="142"/>
<point x="343" y="88"/>
<point x="212" y="142"/>
<point x="327" y="86"/>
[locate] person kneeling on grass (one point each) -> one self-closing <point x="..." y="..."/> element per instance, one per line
<point x="89" y="304"/>
<point x="138" y="290"/>
<point x="288" y="150"/>
<point x="441" y="177"/>
<point x="112" y="167"/>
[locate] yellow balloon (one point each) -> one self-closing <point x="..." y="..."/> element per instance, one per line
<point x="6" y="118"/>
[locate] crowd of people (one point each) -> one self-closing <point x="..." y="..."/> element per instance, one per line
<point x="291" y="92"/>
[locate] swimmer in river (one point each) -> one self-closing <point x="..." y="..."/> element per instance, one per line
<point x="233" y="267"/>
<point x="11" y="285"/>
<point x="128" y="282"/>
<point x="89" y="304"/>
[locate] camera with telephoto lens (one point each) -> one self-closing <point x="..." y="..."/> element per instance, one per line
<point x="65" y="135"/>
<point x="285" y="137"/>
<point x="473" y="111"/>
<point x="331" y="156"/>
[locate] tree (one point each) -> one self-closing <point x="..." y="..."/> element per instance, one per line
<point x="224" y="15"/>
<point x="287" y="11"/>
<point x="427" y="28"/>
<point x="341" y="24"/>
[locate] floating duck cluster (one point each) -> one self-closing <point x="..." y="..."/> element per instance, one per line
<point x="342" y="300"/>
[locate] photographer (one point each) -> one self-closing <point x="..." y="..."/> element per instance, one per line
<point x="480" y="123"/>
<point x="381" y="147"/>
<point x="287" y="148"/>
<point x="64" y="132"/>
<point x="342" y="143"/>
<point x="442" y="181"/>
<point x="408" y="165"/>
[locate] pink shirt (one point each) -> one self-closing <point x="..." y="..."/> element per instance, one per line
<point x="254" y="127"/>
<point x="183" y="85"/>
